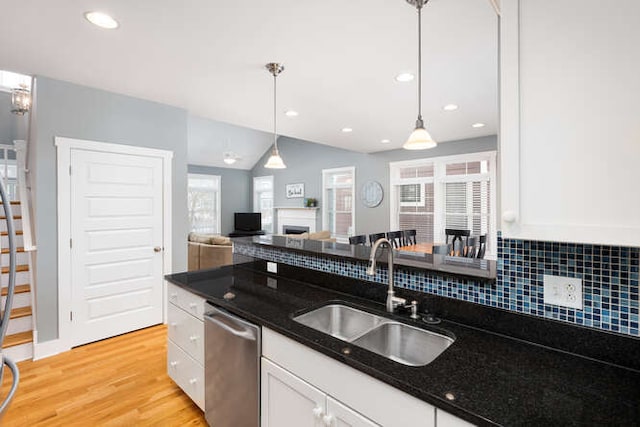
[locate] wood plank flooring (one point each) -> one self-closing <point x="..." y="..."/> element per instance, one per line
<point x="120" y="381"/>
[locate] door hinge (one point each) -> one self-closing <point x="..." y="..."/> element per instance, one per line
<point x="71" y="243"/>
<point x="71" y="316"/>
<point x="69" y="169"/>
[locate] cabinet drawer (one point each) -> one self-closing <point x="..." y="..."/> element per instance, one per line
<point x="186" y="372"/>
<point x="186" y="331"/>
<point x="187" y="301"/>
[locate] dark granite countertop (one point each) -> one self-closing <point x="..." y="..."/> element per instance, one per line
<point x="481" y="269"/>
<point x="495" y="379"/>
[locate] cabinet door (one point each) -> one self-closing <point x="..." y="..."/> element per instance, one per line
<point x="339" y="415"/>
<point x="287" y="401"/>
<point x="445" y="419"/>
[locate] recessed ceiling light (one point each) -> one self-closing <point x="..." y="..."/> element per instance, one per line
<point x="404" y="77"/>
<point x="347" y="130"/>
<point x="291" y="113"/>
<point x="478" y="125"/>
<point x="102" y="20"/>
<point x="450" y="107"/>
<point x="385" y="141"/>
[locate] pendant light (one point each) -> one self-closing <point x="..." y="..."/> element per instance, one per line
<point x="275" y="161"/>
<point x="419" y="138"/>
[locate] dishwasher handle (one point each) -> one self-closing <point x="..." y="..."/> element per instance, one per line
<point x="225" y="321"/>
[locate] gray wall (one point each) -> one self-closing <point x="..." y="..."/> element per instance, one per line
<point x="305" y="161"/>
<point x="69" y="110"/>
<point x="12" y="126"/>
<point x="237" y="193"/>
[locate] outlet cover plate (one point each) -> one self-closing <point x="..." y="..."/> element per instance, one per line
<point x="563" y="291"/>
<point x="272" y="267"/>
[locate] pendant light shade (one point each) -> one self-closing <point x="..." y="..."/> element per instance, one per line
<point x="419" y="138"/>
<point x="275" y="161"/>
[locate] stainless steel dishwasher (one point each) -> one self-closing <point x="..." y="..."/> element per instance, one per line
<point x="232" y="370"/>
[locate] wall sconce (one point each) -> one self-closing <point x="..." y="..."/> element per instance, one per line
<point x="20" y="100"/>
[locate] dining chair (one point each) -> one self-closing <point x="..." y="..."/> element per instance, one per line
<point x="457" y="242"/>
<point x="442" y="249"/>
<point x="375" y="236"/>
<point x="470" y="250"/>
<point x="358" y="240"/>
<point x="408" y="237"/>
<point x="395" y="237"/>
<point x="483" y="246"/>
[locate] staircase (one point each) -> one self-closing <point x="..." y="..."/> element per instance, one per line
<point x="18" y="342"/>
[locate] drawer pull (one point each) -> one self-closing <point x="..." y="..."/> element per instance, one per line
<point x="193" y="305"/>
<point x="192" y="381"/>
<point x="317" y="412"/>
<point x="193" y="338"/>
<point x="173" y="364"/>
<point x="174" y="324"/>
<point x="327" y="420"/>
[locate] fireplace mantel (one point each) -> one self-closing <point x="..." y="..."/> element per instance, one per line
<point x="296" y="216"/>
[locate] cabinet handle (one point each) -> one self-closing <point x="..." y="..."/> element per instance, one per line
<point x="317" y="412"/>
<point x="193" y="305"/>
<point x="509" y="216"/>
<point x="173" y="364"/>
<point x="327" y="420"/>
<point x="193" y="338"/>
<point x="174" y="324"/>
<point x="192" y="381"/>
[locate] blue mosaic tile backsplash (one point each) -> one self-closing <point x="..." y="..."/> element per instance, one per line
<point x="609" y="274"/>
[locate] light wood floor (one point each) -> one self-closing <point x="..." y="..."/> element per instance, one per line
<point x="121" y="381"/>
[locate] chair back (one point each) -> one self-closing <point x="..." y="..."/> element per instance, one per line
<point x="483" y="246"/>
<point x="470" y="250"/>
<point x="375" y="236"/>
<point x="408" y="237"/>
<point x="395" y="237"/>
<point x="358" y="240"/>
<point x="458" y="243"/>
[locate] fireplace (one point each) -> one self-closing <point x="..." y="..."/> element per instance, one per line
<point x="294" y="229"/>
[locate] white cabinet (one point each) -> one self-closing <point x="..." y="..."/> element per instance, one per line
<point x="569" y="112"/>
<point x="185" y="347"/>
<point x="288" y="401"/>
<point x="445" y="419"/>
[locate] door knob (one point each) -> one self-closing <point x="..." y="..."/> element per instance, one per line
<point x="157" y="249"/>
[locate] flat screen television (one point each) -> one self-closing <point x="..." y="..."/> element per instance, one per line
<point x="248" y="221"/>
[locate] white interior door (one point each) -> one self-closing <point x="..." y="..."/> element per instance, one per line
<point x="116" y="243"/>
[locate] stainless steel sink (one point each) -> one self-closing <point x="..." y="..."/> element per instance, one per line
<point x="404" y="344"/>
<point x="394" y="340"/>
<point x="340" y="321"/>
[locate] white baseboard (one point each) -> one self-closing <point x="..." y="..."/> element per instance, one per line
<point x="47" y="348"/>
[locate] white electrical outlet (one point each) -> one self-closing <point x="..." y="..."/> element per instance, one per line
<point x="563" y="291"/>
<point x="272" y="267"/>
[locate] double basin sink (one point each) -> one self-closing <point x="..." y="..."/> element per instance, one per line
<point x="394" y="340"/>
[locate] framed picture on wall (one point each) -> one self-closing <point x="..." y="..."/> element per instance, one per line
<point x="295" y="191"/>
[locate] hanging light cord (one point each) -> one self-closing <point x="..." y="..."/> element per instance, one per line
<point x="419" y="6"/>
<point x="275" y="94"/>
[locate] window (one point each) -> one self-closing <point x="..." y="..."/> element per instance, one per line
<point x="263" y="200"/>
<point x="338" y="208"/>
<point x="204" y="203"/>
<point x="430" y="195"/>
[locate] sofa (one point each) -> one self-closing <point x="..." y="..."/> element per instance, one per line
<point x="208" y="251"/>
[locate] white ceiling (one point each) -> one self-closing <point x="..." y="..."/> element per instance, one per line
<point x="341" y="57"/>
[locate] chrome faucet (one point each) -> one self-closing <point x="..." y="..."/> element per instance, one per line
<point x="392" y="301"/>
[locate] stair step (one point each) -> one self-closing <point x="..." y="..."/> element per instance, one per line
<point x="6" y="250"/>
<point x="20" y="289"/>
<point x="19" y="268"/>
<point x="17" y="339"/>
<point x="20" y="312"/>
<point x="6" y="233"/>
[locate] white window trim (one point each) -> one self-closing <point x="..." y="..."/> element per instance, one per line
<point x="441" y="177"/>
<point x="325" y="213"/>
<point x="218" y="197"/>
<point x="256" y="207"/>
